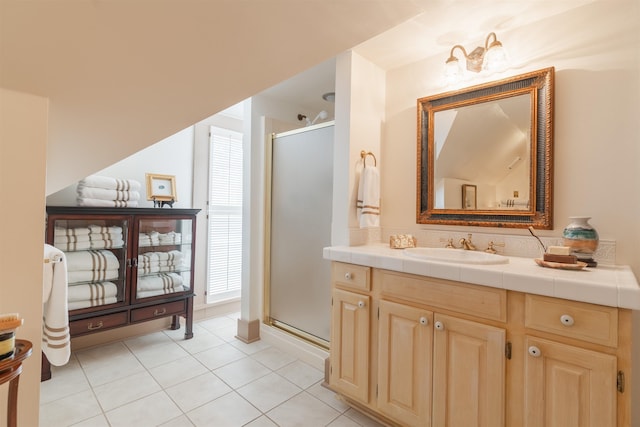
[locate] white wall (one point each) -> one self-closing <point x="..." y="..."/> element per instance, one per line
<point x="23" y="145"/>
<point x="171" y="156"/>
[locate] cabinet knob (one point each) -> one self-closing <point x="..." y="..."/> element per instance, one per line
<point x="347" y="276"/>
<point x="423" y="321"/>
<point x="535" y="351"/>
<point x="439" y="326"/>
<point x="361" y="304"/>
<point x="566" y="320"/>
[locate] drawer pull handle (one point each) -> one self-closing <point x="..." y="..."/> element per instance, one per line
<point x="566" y="320"/>
<point x="91" y="327"/>
<point x="348" y="276"/>
<point x="439" y="326"/>
<point x="160" y="312"/>
<point x="423" y="321"/>
<point x="535" y="351"/>
<point x="361" y="304"/>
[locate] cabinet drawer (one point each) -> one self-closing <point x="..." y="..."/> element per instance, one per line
<point x="98" y="323"/>
<point x="160" y="310"/>
<point x="351" y="276"/>
<point x="588" y="322"/>
<point x="480" y="301"/>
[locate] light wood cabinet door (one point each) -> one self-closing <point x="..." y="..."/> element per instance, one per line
<point x="405" y="337"/>
<point x="567" y="386"/>
<point x="350" y="329"/>
<point x="468" y="373"/>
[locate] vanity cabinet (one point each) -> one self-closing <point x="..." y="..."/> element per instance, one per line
<point x="417" y="351"/>
<point x="125" y="265"/>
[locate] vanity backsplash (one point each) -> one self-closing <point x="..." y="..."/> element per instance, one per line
<point x="505" y="244"/>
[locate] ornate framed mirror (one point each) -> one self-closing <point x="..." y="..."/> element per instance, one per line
<point x="495" y="138"/>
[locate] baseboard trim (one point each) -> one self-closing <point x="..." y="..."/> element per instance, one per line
<point x="303" y="350"/>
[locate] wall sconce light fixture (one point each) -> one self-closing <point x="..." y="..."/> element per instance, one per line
<point x="491" y="57"/>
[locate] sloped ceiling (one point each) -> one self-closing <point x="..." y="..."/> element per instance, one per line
<point x="121" y="75"/>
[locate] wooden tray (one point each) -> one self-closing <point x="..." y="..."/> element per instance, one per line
<point x="562" y="266"/>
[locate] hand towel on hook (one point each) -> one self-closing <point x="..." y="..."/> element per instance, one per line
<point x="368" y="202"/>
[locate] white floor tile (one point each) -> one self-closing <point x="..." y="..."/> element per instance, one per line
<point x="197" y="391"/>
<point x="301" y="374"/>
<point x="69" y="410"/>
<point x="241" y="372"/>
<point x="152" y="410"/>
<point x="120" y="392"/>
<point x="273" y="358"/>
<point x="175" y="372"/>
<point x="263" y="421"/>
<point x="181" y="421"/>
<point x="230" y="410"/>
<point x="327" y="396"/>
<point x="303" y="410"/>
<point x="107" y="363"/>
<point x="98" y="421"/>
<point x="219" y="356"/>
<point x="65" y="380"/>
<point x="269" y="391"/>
<point x="205" y="341"/>
<point x="159" y="354"/>
<point x="343" y="421"/>
<point x="250" y="348"/>
<point x="361" y="419"/>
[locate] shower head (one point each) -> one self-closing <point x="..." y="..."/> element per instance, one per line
<point x="322" y="115"/>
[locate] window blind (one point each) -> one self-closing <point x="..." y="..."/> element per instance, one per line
<point x="224" y="214"/>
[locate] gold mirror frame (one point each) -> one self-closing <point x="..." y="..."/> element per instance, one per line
<point x="540" y="85"/>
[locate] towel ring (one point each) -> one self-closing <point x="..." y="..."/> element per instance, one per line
<point x="364" y="155"/>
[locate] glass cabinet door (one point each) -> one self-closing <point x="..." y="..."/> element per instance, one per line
<point x="96" y="255"/>
<point x="163" y="257"/>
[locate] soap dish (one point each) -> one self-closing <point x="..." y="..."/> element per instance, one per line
<point x="579" y="265"/>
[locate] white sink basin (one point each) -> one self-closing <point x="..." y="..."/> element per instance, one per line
<point x="457" y="256"/>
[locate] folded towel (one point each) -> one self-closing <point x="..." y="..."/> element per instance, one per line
<point x="80" y="231"/>
<point x="98" y="229"/>
<point x="368" y="202"/>
<point x="170" y="238"/>
<point x="71" y="239"/>
<point x="145" y="294"/>
<point x="92" y="291"/>
<point x="92" y="261"/>
<point x="76" y="305"/>
<point x="80" y="276"/>
<point x="106" y="244"/>
<point x="109" y="183"/>
<point x="105" y="194"/>
<point x="56" y="341"/>
<point x="159" y="281"/>
<point x="70" y="247"/>
<point x="82" y="201"/>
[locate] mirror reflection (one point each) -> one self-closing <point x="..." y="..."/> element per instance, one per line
<point x="485" y="154"/>
<point x="487" y="146"/>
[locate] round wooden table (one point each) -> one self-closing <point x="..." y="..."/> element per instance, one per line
<point x="10" y="370"/>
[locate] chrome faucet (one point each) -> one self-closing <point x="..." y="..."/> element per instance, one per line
<point x="466" y="244"/>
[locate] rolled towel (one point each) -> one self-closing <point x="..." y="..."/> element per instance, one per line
<point x="76" y="305"/>
<point x="92" y="291"/>
<point x="82" y="201"/>
<point x="92" y="261"/>
<point x="104" y="194"/>
<point x="110" y="183"/>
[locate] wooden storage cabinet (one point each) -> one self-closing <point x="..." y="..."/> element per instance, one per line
<point x="125" y="265"/>
<point x="417" y="351"/>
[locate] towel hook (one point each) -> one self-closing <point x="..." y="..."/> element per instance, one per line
<point x="364" y="155"/>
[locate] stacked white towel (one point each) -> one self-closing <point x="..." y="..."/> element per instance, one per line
<point x="91" y="237"/>
<point x="89" y="273"/>
<point x="104" y="191"/>
<point x="149" y="239"/>
<point x="368" y="202"/>
<point x="159" y="284"/>
<point x="157" y="262"/>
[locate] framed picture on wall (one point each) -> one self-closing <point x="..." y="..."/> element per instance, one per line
<point x="161" y="187"/>
<point x="469" y="198"/>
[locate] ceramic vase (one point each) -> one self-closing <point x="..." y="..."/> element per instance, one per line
<point x="582" y="238"/>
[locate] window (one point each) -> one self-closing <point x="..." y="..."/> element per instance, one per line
<point x="224" y="214"/>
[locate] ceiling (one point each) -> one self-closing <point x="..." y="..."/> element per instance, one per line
<point x="443" y="24"/>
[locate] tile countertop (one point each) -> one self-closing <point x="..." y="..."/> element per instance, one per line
<point x="614" y="286"/>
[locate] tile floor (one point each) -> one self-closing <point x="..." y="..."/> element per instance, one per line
<point x="161" y="379"/>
